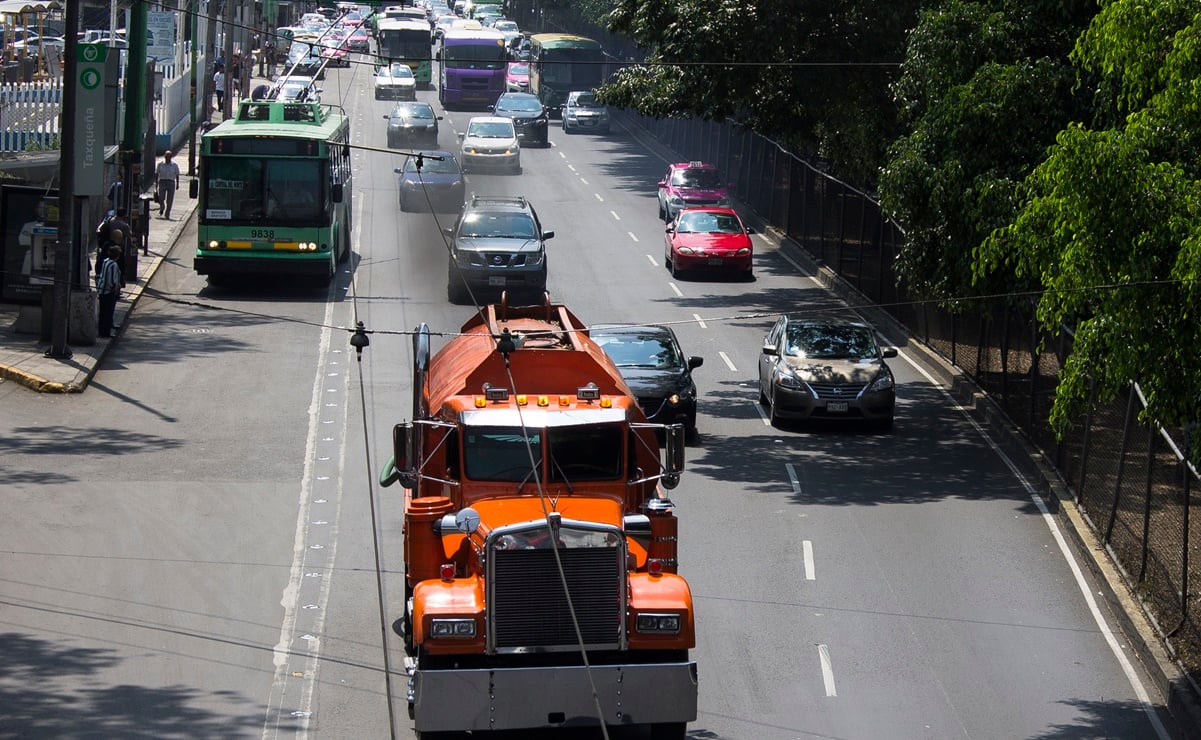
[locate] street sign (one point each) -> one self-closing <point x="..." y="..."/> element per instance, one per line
<point x="89" y="119"/>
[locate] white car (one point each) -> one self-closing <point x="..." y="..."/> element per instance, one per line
<point x="296" y="87"/>
<point x="490" y="143"/>
<point x="395" y="82"/>
<point x="582" y="112"/>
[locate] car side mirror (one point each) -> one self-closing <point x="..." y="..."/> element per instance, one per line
<point x="695" y="362"/>
<point x="548" y="235"/>
<point x="462" y="134"/>
<point x="889" y="352"/>
<point x="669" y="228"/>
<point x="662" y="183"/>
<point x="398" y="170"/>
<point x="438" y="118"/>
<point x="770" y="349"/>
<point x="386" y="116"/>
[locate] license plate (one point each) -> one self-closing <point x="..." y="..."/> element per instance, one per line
<point x="715" y="261"/>
<point x="836" y="405"/>
<point x="499" y="282"/>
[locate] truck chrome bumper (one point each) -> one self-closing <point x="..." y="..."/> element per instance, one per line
<point x="553" y="696"/>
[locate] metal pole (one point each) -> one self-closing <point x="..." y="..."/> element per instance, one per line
<point x="227" y="30"/>
<point x="65" y="245"/>
<point x="194" y="37"/>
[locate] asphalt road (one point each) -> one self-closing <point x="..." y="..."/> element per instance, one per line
<point x="190" y="547"/>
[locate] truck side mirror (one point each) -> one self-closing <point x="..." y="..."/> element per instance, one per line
<point x="404" y="442"/>
<point x="674" y="444"/>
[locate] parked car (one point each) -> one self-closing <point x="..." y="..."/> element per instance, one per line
<point x="413" y="124"/>
<point x="690" y="185"/>
<point x="530" y="118"/>
<point x="490" y="143"/>
<point x="826" y="368"/>
<point x="431" y="179"/>
<point x="656" y="370"/>
<point x="395" y="82"/>
<point x="296" y="87"/>
<point x="582" y="112"/>
<point x="517" y="77"/>
<point x="498" y="243"/>
<point x="711" y="239"/>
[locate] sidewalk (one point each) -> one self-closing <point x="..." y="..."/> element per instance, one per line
<point x="23" y="357"/>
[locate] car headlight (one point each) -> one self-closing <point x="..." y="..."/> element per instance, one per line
<point x="469" y="150"/>
<point x="881" y="383"/>
<point x="441" y="627"/>
<point x="742" y="252"/>
<point x="786" y="380"/>
<point x="675" y="200"/>
<point x="661" y="623"/>
<point x="535" y="259"/>
<point x="685" y="250"/>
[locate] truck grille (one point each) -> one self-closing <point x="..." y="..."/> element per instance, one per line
<point x="529" y="610"/>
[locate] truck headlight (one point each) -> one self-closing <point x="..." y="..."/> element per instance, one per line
<point x="658" y="623"/>
<point x="441" y="627"/>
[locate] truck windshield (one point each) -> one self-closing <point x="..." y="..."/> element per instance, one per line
<point x="579" y="453"/>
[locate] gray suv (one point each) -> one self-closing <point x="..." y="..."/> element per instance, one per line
<point x="497" y="243"/>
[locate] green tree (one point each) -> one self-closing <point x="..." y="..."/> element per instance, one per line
<point x="812" y="74"/>
<point x="1111" y="222"/>
<point x="985" y="88"/>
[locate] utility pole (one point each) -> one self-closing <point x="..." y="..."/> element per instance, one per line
<point x="227" y="30"/>
<point x="64" y="246"/>
<point x="135" y="132"/>
<point x="194" y="37"/>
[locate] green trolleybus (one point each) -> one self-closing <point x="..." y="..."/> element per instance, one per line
<point x="561" y="63"/>
<point x="275" y="191"/>
<point x="407" y="40"/>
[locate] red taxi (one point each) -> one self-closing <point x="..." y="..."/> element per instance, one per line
<point x="710" y="239"/>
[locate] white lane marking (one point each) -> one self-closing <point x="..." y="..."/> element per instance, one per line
<point x="583" y="181"/>
<point x="615" y="216"/>
<point x="561" y="154"/>
<point x="571" y="167"/>
<point x="807" y="554"/>
<point x="289" y="599"/>
<point x="792" y="476"/>
<point x="652" y="259"/>
<point x="631" y="234"/>
<point x="729" y="364"/>
<point x="823" y="654"/>
<point x="598" y="197"/>
<point x="676" y="290"/>
<point x="1115" y="647"/>
<point x="699" y="321"/>
<point x="762" y="414"/>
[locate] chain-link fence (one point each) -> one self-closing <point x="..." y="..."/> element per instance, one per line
<point x="1129" y="478"/>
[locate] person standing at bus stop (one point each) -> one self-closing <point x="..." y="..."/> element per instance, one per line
<point x="108" y="286"/>
<point x="166" y="176"/>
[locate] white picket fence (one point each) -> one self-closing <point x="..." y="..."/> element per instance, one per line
<point x="30" y="114"/>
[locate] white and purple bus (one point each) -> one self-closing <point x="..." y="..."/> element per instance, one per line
<point x="473" y="63"/>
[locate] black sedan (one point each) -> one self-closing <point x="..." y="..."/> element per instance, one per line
<point x="531" y="119"/>
<point x="431" y="179"/>
<point x="656" y="370"/>
<point x="413" y="124"/>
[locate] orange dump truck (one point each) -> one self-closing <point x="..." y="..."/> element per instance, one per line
<point x="540" y="553"/>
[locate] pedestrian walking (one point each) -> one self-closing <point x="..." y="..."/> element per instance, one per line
<point x="166" y="174"/>
<point x="219" y="86"/>
<point x="108" y="287"/>
<point x="114" y="222"/>
<point x="235" y="74"/>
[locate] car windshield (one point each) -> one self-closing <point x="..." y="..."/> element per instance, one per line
<point x="445" y="166"/>
<point x="498" y="225"/>
<point x="696" y="178"/>
<point x="830" y="341"/>
<point x="519" y="69"/>
<point x="399" y="71"/>
<point x="705" y="222"/>
<point x="587" y="100"/>
<point x="490" y="130"/>
<point x="640" y="350"/>
<point x="413" y="111"/>
<point x="505" y="25"/>
<point x="524" y="105"/>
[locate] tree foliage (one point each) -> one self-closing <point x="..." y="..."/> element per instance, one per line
<point x="985" y="88"/>
<point x="1111" y="221"/>
<point x="812" y="74"/>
